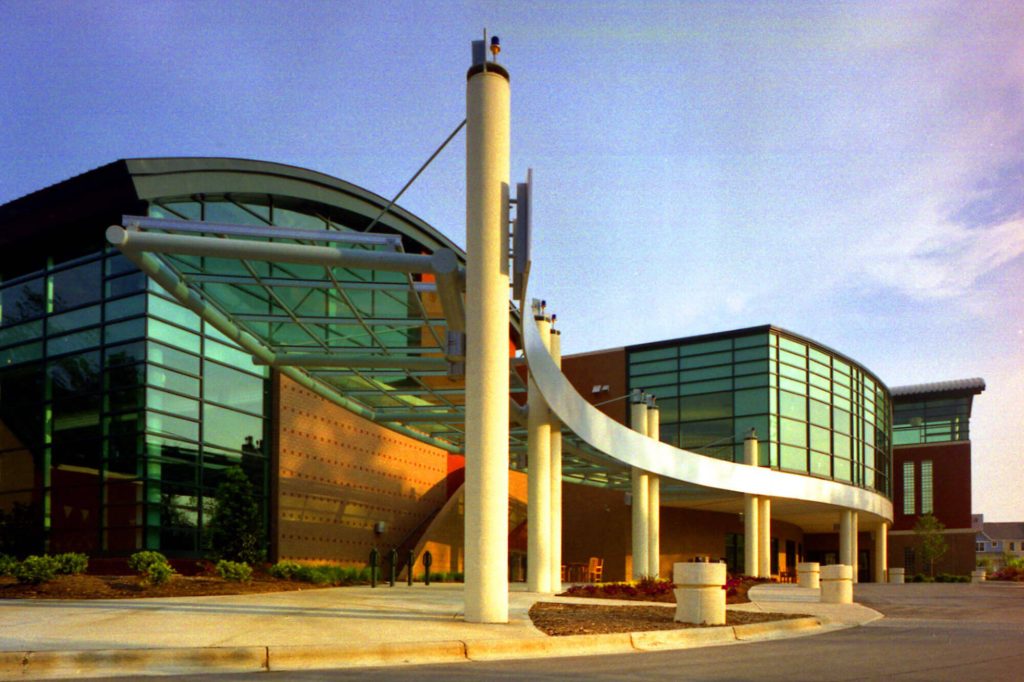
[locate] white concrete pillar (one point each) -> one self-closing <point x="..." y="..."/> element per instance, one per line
<point x="751" y="563"/>
<point x="641" y="498"/>
<point x="808" y="574"/>
<point x="764" y="536"/>
<point x="855" y="543"/>
<point x="699" y="595"/>
<point x="538" y="480"/>
<point x="896" y="575"/>
<point x="653" y="499"/>
<point x="487" y="325"/>
<point x="881" y="551"/>
<point x="845" y="538"/>
<point x="556" y="477"/>
<point x="837" y="584"/>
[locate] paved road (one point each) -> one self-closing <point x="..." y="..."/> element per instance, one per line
<point x="931" y="632"/>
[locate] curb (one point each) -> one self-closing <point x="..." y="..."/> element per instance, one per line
<point x="101" y="662"/>
<point x="22" y="665"/>
<point x="665" y="640"/>
<point x="570" y="645"/>
<point x="780" y="629"/>
<point x="311" y="657"/>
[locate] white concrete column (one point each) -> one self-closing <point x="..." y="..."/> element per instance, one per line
<point x="837" y="584"/>
<point x="881" y="551"/>
<point x="751" y="563"/>
<point x="845" y="538"/>
<point x="808" y="574"/>
<point x="488" y="97"/>
<point x="654" y="499"/>
<point x="764" y="536"/>
<point x="556" y="477"/>
<point x="641" y="498"/>
<point x="699" y="597"/>
<point x="855" y="543"/>
<point x="538" y="480"/>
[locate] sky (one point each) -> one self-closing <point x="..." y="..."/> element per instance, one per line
<point x="851" y="171"/>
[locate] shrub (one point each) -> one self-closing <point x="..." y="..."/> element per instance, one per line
<point x="236" y="529"/>
<point x="7" y="564"/>
<point x="285" y="570"/>
<point x="36" y="569"/>
<point x="158" y="574"/>
<point x="140" y="561"/>
<point x="72" y="563"/>
<point x="151" y="566"/>
<point x="235" y="571"/>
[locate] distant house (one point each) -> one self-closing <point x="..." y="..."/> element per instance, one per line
<point x="994" y="541"/>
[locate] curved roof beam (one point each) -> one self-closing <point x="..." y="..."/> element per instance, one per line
<point x="629" y="447"/>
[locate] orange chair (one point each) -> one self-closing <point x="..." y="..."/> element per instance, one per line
<point x="595" y="569"/>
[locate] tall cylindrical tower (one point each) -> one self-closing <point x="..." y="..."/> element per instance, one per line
<point x="538" y="479"/>
<point x="641" y="497"/>
<point x="487" y="334"/>
<point x="555" y="345"/>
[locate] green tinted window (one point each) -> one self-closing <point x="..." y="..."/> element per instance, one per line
<point x="820" y="414"/>
<point x="794" y="406"/>
<point x="707" y="406"/>
<point x="793" y="433"/>
<point x="164" y="355"/>
<point x="230" y="429"/>
<point x="125" y="307"/>
<point x="706" y="387"/>
<point x="173" y="381"/>
<point x="751" y="401"/>
<point x="706" y="373"/>
<point x="747" y="341"/>
<point x="172" y="312"/>
<point x="706" y="360"/>
<point x="821" y="465"/>
<point x="170" y="402"/>
<point x="706" y="347"/>
<point x="793" y="458"/>
<point x="653" y="367"/>
<point x="821" y="439"/>
<point x="23" y="301"/>
<point x="123" y="331"/>
<point x="25" y="331"/>
<point x="162" y="424"/>
<point x="77" y="286"/>
<point x="173" y="336"/>
<point x="232" y="388"/>
<point x="73" y="342"/>
<point x="751" y="380"/>
<point x="792" y="346"/>
<point x="751" y="354"/>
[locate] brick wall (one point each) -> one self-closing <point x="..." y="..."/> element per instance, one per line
<point x="340" y="474"/>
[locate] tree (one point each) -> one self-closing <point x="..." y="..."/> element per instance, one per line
<point x="236" y="530"/>
<point x="931" y="540"/>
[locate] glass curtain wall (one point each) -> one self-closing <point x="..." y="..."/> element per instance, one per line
<point x="814" y="412"/>
<point x="931" y="421"/>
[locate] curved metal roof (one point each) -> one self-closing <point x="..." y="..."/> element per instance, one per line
<point x="973" y="386"/>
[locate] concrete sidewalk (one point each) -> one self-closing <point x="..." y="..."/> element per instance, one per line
<point x="339" y="627"/>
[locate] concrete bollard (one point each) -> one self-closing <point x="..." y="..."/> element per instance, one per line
<point x="699" y="596"/>
<point x="837" y="584"/>
<point x="978" y="576"/>
<point x="896" y="575"/>
<point x="808" y="574"/>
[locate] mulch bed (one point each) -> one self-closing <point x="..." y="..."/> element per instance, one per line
<point x="131" y="587"/>
<point x="592" y="619"/>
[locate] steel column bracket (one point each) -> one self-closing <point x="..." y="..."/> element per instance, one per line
<point x="521" y="228"/>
